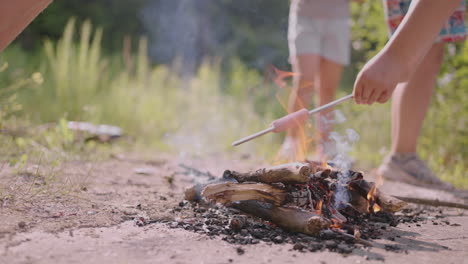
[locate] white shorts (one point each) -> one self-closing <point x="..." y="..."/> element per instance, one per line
<point x="329" y="38"/>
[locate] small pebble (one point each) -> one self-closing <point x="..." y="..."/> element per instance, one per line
<point x="236" y="223"/>
<point x="342" y="248"/>
<point x="331" y="244"/>
<point x="278" y="239"/>
<point x="240" y="251"/>
<point x="327" y="234"/>
<point x="298" y="246"/>
<point x="22" y="224"/>
<point x="314" y="246"/>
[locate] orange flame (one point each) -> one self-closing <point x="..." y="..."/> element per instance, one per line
<point x="372" y="201"/>
<point x="325" y="163"/>
<point x="299" y="145"/>
<point x="280" y="77"/>
<point x="319" y="206"/>
<point x="371" y="193"/>
<point x="376" y="208"/>
<point x="336" y="223"/>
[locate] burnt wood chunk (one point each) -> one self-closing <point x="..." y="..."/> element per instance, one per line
<point x="228" y="192"/>
<point x="291" y="219"/>
<point x="286" y="173"/>
<point x="388" y="203"/>
<point x="193" y="193"/>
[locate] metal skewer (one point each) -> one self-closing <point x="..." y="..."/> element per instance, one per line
<point x="248" y="138"/>
<point x="290" y="120"/>
<point x="331" y="104"/>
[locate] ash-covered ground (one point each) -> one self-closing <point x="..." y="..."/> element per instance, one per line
<point x="237" y="228"/>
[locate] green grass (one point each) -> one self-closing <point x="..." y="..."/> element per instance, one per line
<point x="73" y="80"/>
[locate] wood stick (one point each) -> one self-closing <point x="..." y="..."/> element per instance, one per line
<point x="286" y="173"/>
<point x="432" y="202"/>
<point x="357" y="239"/>
<point x="229" y="192"/>
<point x="291" y="219"/>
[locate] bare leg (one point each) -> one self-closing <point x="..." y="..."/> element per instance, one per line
<point x="312" y="72"/>
<point x="411" y="101"/>
<point x="306" y="75"/>
<point x="330" y="75"/>
<point x="409" y="106"/>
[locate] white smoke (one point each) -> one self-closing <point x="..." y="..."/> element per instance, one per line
<point x="338" y="149"/>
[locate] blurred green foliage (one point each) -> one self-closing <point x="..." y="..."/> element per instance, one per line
<point x="117" y="18"/>
<point x="254" y="31"/>
<point x="77" y="76"/>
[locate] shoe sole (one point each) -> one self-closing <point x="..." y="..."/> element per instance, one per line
<point x="393" y="173"/>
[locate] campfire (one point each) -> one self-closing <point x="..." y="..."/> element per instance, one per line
<point x="300" y="197"/>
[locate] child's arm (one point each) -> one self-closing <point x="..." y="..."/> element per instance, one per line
<point x="15" y="15"/>
<point x="402" y="54"/>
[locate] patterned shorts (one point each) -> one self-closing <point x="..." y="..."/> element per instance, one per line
<point x="453" y="30"/>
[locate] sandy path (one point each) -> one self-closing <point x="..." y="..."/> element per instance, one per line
<point x="126" y="243"/>
<point x="93" y="228"/>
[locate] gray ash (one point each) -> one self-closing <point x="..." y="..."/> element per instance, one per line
<point x="239" y="229"/>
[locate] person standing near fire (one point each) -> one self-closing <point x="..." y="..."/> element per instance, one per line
<point x="406" y="70"/>
<point x="316" y="67"/>
<point x="411" y="99"/>
<point x="319" y="47"/>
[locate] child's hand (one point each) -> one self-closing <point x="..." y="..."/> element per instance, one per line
<point x="403" y="52"/>
<point x="378" y="78"/>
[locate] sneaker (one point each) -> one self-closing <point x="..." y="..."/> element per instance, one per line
<point x="409" y="168"/>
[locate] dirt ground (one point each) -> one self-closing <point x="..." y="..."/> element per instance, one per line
<point x="92" y="222"/>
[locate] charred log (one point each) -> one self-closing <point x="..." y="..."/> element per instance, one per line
<point x="286" y="173"/>
<point x="193" y="193"/>
<point x="291" y="219"/>
<point x="227" y="193"/>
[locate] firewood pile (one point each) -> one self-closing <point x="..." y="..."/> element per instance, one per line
<point x="299" y="197"/>
<point x="306" y="198"/>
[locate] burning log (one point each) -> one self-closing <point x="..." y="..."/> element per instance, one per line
<point x="291" y="219"/>
<point x="388" y="203"/>
<point x="286" y="173"/>
<point x="228" y="192"/>
<point x="359" y="203"/>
